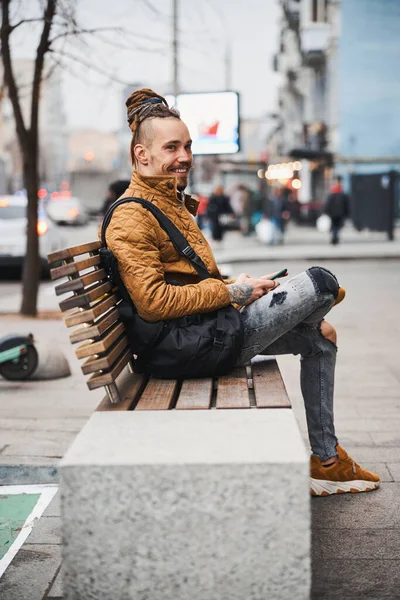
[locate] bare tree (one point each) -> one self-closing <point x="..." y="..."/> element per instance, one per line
<point x="28" y="137"/>
<point x="56" y="23"/>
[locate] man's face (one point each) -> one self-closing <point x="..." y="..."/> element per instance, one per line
<point x="168" y="150"/>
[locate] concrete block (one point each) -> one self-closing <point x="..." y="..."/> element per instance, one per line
<point x="52" y="363"/>
<point x="205" y="505"/>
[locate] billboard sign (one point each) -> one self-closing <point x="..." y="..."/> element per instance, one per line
<point x="212" y="119"/>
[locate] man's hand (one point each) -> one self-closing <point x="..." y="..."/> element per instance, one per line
<point x="246" y="289"/>
<point x="272" y="274"/>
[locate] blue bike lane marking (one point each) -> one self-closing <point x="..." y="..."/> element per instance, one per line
<point x="21" y="506"/>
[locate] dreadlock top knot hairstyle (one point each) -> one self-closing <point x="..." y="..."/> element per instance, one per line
<point x="145" y="104"/>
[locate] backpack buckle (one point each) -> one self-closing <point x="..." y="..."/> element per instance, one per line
<point x="189" y="252"/>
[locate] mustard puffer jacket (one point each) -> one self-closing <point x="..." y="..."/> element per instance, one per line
<point x="147" y="259"/>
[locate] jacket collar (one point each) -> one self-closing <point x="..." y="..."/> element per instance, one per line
<point x="161" y="188"/>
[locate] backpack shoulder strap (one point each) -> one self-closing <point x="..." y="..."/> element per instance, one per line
<point x="176" y="237"/>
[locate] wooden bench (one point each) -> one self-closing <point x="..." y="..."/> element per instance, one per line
<point x="91" y="311"/>
<point x="168" y="504"/>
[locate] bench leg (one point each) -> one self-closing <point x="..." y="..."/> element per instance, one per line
<point x="113" y="393"/>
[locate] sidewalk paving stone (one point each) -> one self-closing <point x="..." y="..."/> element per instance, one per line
<point x="46" y="531"/>
<point x="386" y="438"/>
<point x="374" y="453"/>
<point x="25" y="462"/>
<point x="56" y="590"/>
<point x="367" y="579"/>
<point x="394" y="470"/>
<point x="31" y="573"/>
<point x="379" y="509"/>
<point x="54" y="508"/>
<point x="354" y="544"/>
<point x="381" y="469"/>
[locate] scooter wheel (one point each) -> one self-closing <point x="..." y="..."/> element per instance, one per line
<point x="22" y="368"/>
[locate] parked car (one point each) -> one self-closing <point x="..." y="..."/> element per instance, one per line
<point x="66" y="210"/>
<point x="13" y="232"/>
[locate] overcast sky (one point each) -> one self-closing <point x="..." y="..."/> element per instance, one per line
<point x="143" y="54"/>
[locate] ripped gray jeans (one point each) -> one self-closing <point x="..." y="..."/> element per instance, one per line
<point x="287" y="321"/>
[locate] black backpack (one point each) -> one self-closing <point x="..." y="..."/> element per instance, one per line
<point x="200" y="345"/>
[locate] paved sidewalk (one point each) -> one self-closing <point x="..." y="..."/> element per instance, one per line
<point x="356" y="550"/>
<point x="306" y="243"/>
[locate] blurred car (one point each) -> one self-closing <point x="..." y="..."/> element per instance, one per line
<point x="13" y="232"/>
<point x="66" y="210"/>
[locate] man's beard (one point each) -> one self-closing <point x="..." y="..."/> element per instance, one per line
<point x="180" y="185"/>
<point x="182" y="182"/>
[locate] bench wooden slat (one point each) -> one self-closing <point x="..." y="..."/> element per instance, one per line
<point x="77" y="317"/>
<point x="105" y="362"/>
<point x="73" y="251"/>
<point x="86" y="331"/>
<point x="195" y="394"/>
<point x="80" y="300"/>
<point x="102" y="379"/>
<point x="74" y="267"/>
<point x="269" y="389"/>
<point x="76" y="285"/>
<point x="130" y="392"/>
<point x="233" y="391"/>
<point x="101" y="345"/>
<point x="158" y="395"/>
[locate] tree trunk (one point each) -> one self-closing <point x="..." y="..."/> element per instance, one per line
<point x="31" y="269"/>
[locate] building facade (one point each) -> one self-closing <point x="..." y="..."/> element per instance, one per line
<point x="339" y="97"/>
<point x="53" y="150"/>
<point x="93" y="161"/>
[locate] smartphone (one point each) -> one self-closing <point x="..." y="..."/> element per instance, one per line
<point x="281" y="273"/>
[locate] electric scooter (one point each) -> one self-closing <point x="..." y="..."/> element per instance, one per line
<point x="18" y="357"/>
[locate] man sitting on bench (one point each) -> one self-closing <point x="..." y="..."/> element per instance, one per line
<point x="287" y="320"/>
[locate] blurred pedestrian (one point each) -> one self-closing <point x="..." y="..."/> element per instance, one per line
<point x="201" y="210"/>
<point x="279" y="213"/>
<point x="115" y="190"/>
<point x="337" y="207"/>
<point x="240" y="202"/>
<point x="218" y="206"/>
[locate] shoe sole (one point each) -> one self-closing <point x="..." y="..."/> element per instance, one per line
<point x="322" y="487"/>
<point x="341" y="296"/>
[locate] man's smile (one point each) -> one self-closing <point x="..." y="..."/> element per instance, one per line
<point x="180" y="170"/>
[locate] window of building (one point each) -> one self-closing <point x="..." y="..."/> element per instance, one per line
<point x="319" y="10"/>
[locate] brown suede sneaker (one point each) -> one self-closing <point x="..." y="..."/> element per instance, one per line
<point x="345" y="475"/>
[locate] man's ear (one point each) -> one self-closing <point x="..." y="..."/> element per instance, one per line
<point x="141" y="154"/>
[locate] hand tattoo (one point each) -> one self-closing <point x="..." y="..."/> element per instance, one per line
<point x="240" y="293"/>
